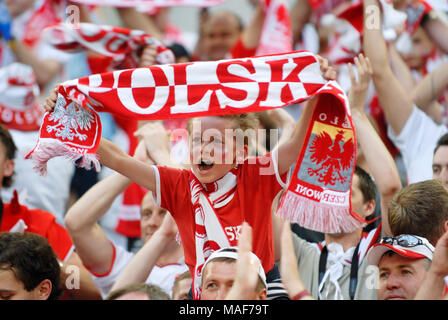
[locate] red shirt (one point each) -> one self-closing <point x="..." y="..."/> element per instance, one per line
<point x="239" y="50"/>
<point x="39" y="222"/>
<point x="251" y="202"/>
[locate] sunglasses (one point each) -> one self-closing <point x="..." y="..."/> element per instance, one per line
<point x="405" y="240"/>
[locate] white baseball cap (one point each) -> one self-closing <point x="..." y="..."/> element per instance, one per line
<point x="232" y="252"/>
<point x="406" y="245"/>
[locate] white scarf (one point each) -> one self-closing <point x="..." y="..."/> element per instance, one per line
<point x="337" y="259"/>
<point x="209" y="235"/>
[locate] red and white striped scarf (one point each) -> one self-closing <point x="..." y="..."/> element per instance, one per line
<point x="209" y="233"/>
<point x="209" y="88"/>
<point x="174" y="92"/>
<point x="49" y="13"/>
<point x="276" y="35"/>
<point x="124" y="46"/>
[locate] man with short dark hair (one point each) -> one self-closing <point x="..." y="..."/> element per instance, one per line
<point x="29" y="269"/>
<point x="15" y="217"/>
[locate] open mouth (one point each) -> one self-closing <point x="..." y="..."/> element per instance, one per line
<point x="205" y="165"/>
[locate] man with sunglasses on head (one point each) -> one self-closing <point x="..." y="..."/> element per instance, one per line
<point x="403" y="262"/>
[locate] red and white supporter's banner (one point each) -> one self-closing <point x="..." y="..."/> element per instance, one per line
<point x="174" y="91"/>
<point x="150" y="3"/>
<point x="276" y="35"/>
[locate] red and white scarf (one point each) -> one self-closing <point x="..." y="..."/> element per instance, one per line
<point x="209" y="233"/>
<point x="319" y="194"/>
<point x="276" y="35"/>
<point x="188" y="90"/>
<point x="49" y="13"/>
<point x="19" y="108"/>
<point x="123" y="45"/>
<point x="177" y="91"/>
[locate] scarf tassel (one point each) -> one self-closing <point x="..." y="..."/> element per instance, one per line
<point x="318" y="216"/>
<point x="50" y="149"/>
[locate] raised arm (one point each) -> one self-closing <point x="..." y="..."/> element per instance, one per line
<point x="284" y="121"/>
<point x="379" y="161"/>
<point x="92" y="244"/>
<point x="433" y="286"/>
<point x="401" y="69"/>
<point x="394" y="99"/>
<point x="141" y="265"/>
<point x="134" y="19"/>
<point x="431" y="87"/>
<point x="300" y="14"/>
<point x="44" y="69"/>
<point x="436" y="26"/>
<point x="87" y="290"/>
<point x="252" y="32"/>
<point x="289" y="269"/>
<point x="289" y="150"/>
<point x="111" y="156"/>
<point x="116" y="159"/>
<point x="423" y="94"/>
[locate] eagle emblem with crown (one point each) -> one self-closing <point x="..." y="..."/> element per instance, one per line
<point x="69" y="121"/>
<point x="332" y="157"/>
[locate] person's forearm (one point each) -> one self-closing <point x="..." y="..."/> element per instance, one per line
<point x="300" y="14"/>
<point x="287" y="125"/>
<point x="436" y="28"/>
<point x="134" y="19"/>
<point x="379" y="161"/>
<point x="432" y="287"/>
<point x="85" y="289"/>
<point x="289" y="151"/>
<point x="431" y="87"/>
<point x="45" y="70"/>
<point x="141" y="265"/>
<point x="375" y="46"/>
<point x="111" y="156"/>
<point x="251" y="34"/>
<point x="93" y="204"/>
<point x="401" y="69"/>
<point x="289" y="268"/>
<point x="295" y="287"/>
<point x="395" y="101"/>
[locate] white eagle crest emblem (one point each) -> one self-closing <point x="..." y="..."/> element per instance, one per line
<point x="69" y="121"/>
